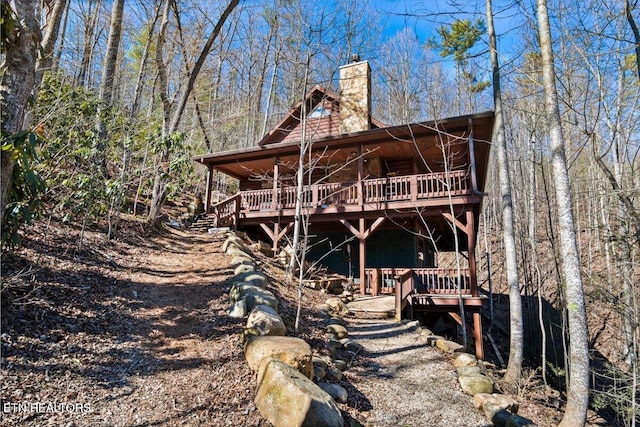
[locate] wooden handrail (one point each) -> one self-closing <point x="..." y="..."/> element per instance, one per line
<point x="427" y="280"/>
<point x="226" y="210"/>
<point x="404" y="287"/>
<point x="390" y="189"/>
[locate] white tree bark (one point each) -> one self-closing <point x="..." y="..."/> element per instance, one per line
<point x="514" y="365"/>
<point x="18" y="73"/>
<point x="50" y="36"/>
<point x="578" y="369"/>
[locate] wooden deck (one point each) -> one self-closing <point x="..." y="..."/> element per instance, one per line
<point x="373" y="196"/>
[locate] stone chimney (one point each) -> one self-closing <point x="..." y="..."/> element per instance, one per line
<point x="355" y="96"/>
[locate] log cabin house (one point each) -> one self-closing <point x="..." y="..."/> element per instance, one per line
<point x="402" y="196"/>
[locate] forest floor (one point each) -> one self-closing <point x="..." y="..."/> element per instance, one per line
<point x="133" y="332"/>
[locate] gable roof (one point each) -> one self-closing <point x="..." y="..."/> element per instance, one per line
<point x="289" y="128"/>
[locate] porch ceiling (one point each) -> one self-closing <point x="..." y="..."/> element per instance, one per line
<point x="422" y="141"/>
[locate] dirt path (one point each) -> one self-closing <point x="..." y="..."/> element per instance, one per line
<point x="189" y="346"/>
<point x="407" y="382"/>
<point x="136" y="335"/>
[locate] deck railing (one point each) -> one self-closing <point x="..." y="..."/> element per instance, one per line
<point x="426" y="280"/>
<point x="390" y="189"/>
<point x="226" y="212"/>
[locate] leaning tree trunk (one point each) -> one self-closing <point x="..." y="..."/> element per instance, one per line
<point x="17" y="77"/>
<point x="109" y="71"/>
<point x="172" y="119"/>
<point x="111" y="56"/>
<point x="514" y="366"/>
<point x="578" y="385"/>
<point x="49" y="38"/>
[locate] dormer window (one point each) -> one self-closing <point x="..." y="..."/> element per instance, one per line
<point x="319" y="111"/>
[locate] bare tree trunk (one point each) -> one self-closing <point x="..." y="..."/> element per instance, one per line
<point x="137" y="92"/>
<point x="159" y="192"/>
<point x="177" y="116"/>
<point x="172" y="118"/>
<point x="63" y="31"/>
<point x="90" y="25"/>
<point x="578" y="384"/>
<point x="49" y="38"/>
<point x="267" y="107"/>
<point x="194" y="98"/>
<point x="108" y="72"/>
<point x="18" y="77"/>
<point x="535" y="266"/>
<point x="514" y="365"/>
<point x="297" y="222"/>
<point x="45" y="59"/>
<point x="626" y="215"/>
<point x="111" y="56"/>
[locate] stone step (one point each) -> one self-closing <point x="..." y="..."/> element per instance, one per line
<point x="370" y="307"/>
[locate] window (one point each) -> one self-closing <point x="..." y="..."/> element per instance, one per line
<point x="319" y="111"/>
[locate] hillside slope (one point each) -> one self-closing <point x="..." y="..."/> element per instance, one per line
<point x="134" y="332"/>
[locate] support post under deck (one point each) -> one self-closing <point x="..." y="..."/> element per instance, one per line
<point x="207" y="196"/>
<point x="363" y="233"/>
<point x="276" y="234"/>
<point x="362" y="262"/>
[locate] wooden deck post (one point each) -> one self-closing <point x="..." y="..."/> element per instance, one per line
<point x="276" y="170"/>
<point x="375" y="279"/>
<point x="275" y="237"/>
<point x="477" y="335"/>
<point x="363" y="257"/>
<point x="363" y="233"/>
<point x="360" y="176"/>
<point x="237" y="205"/>
<point x="276" y="234"/>
<point x="207" y="196"/>
<point x="471" y="250"/>
<point x="413" y="187"/>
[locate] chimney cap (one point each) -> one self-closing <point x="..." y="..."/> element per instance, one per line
<point x="355" y="57"/>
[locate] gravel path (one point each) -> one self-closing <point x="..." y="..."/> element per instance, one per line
<point x="408" y="382"/>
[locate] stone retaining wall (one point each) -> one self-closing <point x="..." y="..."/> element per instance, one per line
<point x="286" y="394"/>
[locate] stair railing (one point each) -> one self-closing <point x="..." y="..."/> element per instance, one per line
<point x="226" y="212"/>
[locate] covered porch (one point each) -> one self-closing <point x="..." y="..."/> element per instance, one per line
<point x="365" y="184"/>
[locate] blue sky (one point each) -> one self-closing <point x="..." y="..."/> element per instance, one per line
<point x="422" y="16"/>
<point x="426" y="15"/>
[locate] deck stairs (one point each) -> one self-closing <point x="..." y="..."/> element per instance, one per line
<point x="203" y="223"/>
